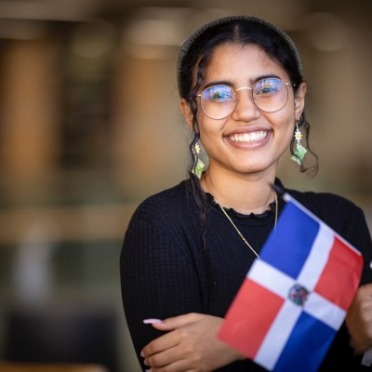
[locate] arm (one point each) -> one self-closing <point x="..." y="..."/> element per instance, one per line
<point x="359" y="317"/>
<point x="162" y="277"/>
<point x="158" y="278"/>
<point x="359" y="320"/>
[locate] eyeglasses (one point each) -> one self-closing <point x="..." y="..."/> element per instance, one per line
<point x="219" y="101"/>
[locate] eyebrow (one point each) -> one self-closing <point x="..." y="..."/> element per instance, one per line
<point x="254" y="81"/>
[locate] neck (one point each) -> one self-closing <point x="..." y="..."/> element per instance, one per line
<point x="244" y="194"/>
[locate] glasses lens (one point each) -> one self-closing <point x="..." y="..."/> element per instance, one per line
<point x="218" y="101"/>
<point x="270" y="94"/>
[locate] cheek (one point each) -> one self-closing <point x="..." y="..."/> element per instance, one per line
<point x="207" y="134"/>
<point x="287" y="120"/>
<point x="289" y="136"/>
<point x="285" y="128"/>
<point x="209" y="127"/>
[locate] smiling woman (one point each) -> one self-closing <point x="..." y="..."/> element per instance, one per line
<point x="187" y="249"/>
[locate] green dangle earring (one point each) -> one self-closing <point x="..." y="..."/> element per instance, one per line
<point x="299" y="151"/>
<point x="199" y="166"/>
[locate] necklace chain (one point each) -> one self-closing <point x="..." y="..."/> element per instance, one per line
<point x="238" y="231"/>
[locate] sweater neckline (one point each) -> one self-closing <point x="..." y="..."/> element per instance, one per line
<point x="231" y="211"/>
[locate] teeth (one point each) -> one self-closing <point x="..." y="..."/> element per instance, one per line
<point x="248" y="137"/>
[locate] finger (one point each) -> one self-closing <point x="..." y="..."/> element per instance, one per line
<point x="179" y="366"/>
<point x="177" y="321"/>
<point x="164" y="358"/>
<point x="365" y="290"/>
<point x="160" y="344"/>
<point x="172" y="360"/>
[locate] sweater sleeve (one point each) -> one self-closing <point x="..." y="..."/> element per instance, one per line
<point x="354" y="229"/>
<point x="348" y="220"/>
<point x="158" y="277"/>
<point x="361" y="239"/>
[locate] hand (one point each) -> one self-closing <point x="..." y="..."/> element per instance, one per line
<point x="191" y="344"/>
<point x="359" y="319"/>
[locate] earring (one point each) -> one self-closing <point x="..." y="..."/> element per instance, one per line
<point x="299" y="150"/>
<point x="199" y="166"/>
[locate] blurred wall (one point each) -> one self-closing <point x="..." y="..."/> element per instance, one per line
<point x="89" y="126"/>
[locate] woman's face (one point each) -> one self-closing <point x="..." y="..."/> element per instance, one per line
<point x="249" y="140"/>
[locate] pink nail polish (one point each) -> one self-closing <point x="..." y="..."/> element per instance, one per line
<point x="152" y="321"/>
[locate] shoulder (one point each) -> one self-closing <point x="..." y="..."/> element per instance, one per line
<point x="344" y="217"/>
<point x="325" y="203"/>
<point x="164" y="222"/>
<point x="340" y="213"/>
<point x="171" y="203"/>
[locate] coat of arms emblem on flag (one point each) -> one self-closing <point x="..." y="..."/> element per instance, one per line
<point x="296" y="294"/>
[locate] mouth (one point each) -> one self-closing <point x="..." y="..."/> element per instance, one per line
<point x="249" y="137"/>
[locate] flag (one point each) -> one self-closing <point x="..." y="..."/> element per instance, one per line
<point x="296" y="294"/>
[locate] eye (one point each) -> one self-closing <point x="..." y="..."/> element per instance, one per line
<point x="218" y="93"/>
<point x="268" y="86"/>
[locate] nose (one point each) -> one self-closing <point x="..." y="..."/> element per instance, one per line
<point x="245" y="108"/>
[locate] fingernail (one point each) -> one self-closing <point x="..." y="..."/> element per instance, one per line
<point x="152" y="321"/>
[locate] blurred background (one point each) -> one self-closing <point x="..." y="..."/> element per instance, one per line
<point x="90" y="126"/>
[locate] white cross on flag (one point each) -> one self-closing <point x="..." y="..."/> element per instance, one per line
<point x="295" y="296"/>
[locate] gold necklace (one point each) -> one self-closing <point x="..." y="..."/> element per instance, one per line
<point x="238" y="231"/>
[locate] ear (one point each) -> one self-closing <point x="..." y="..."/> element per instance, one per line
<point x="187" y="113"/>
<point x="299" y="100"/>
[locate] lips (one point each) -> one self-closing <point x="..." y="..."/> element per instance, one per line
<point x="248" y="137"/>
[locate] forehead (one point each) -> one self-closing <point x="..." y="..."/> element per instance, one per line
<point x="232" y="62"/>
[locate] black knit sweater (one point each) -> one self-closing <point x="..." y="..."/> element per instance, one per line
<point x="173" y="262"/>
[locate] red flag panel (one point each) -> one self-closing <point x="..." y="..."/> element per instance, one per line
<point x="245" y="314"/>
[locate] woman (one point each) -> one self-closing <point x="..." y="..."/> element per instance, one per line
<point x="188" y="249"/>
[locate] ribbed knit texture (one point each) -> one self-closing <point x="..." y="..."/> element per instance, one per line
<point x="167" y="271"/>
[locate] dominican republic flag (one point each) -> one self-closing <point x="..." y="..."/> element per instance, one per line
<point x="295" y="296"/>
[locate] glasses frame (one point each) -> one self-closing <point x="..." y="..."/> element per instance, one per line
<point x="251" y="96"/>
